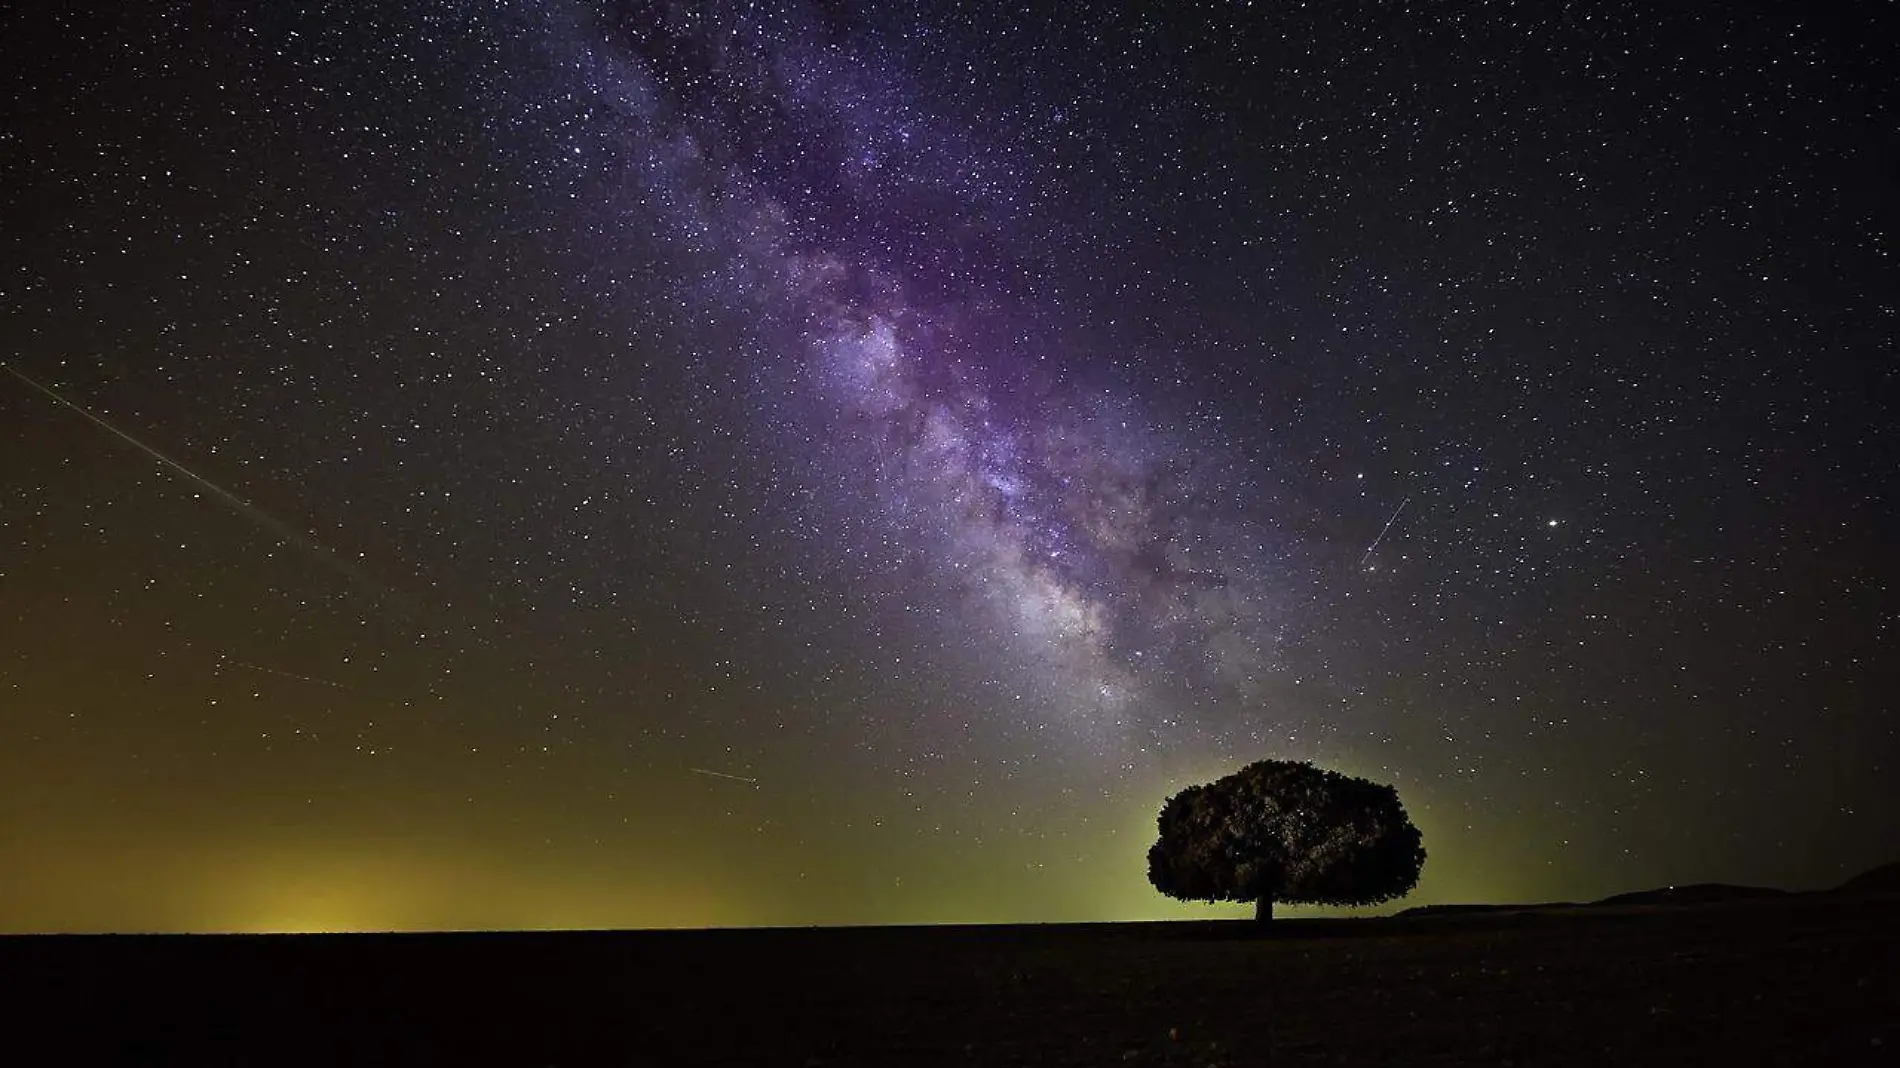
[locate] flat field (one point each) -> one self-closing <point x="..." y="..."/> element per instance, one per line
<point x="1810" y="980"/>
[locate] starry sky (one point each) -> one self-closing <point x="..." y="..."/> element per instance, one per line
<point x="552" y="464"/>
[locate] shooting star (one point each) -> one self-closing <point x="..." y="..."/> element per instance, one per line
<point x="284" y="531"/>
<point x="281" y="673"/>
<point x="1382" y="530"/>
<point x="724" y="775"/>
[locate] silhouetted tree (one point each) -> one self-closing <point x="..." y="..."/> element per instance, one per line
<point x="1281" y="830"/>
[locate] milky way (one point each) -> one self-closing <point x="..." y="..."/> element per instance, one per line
<point x="869" y="241"/>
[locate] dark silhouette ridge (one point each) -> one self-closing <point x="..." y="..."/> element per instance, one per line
<point x="1884" y="879"/>
<point x="1695" y="894"/>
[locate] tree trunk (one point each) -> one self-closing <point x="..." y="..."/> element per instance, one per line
<point x="1263" y="910"/>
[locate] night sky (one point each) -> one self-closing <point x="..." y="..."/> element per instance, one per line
<point x="551" y="464"/>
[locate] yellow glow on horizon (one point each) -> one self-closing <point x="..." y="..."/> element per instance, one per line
<point x="363" y="877"/>
<point x="339" y="889"/>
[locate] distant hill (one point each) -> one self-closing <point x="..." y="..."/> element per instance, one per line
<point x="1697" y="894"/>
<point x="1882" y="880"/>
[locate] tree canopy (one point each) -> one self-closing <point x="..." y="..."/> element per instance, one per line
<point x="1280" y="830"/>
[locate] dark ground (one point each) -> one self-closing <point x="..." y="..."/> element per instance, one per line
<point x="1803" y="980"/>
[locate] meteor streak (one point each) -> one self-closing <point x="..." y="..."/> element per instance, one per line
<point x="283" y="674"/>
<point x="724" y="775"/>
<point x="1382" y="530"/>
<point x="284" y="531"/>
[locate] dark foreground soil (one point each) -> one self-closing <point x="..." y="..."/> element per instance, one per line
<point x="1804" y="981"/>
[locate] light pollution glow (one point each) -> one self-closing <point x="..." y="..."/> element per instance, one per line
<point x="378" y="882"/>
